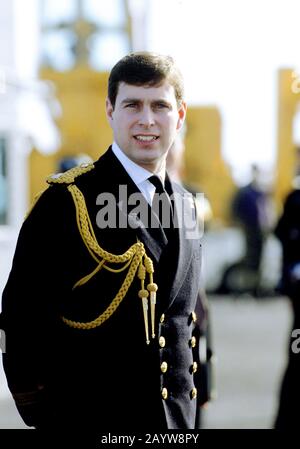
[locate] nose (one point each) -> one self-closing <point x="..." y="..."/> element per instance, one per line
<point x="146" y="117"/>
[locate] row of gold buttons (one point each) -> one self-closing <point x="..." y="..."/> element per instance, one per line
<point x="164" y="393"/>
<point x="193" y="315"/>
<point x="164" y="365"/>
<point x="193" y="341"/>
<point x="195" y="364"/>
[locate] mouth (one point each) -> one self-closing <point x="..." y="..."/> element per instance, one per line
<point x="145" y="138"/>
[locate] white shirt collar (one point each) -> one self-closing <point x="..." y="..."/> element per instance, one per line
<point x="137" y="173"/>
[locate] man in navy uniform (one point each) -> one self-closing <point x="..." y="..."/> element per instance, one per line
<point x="102" y="311"/>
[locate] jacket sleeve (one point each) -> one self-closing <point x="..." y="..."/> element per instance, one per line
<point x="29" y="308"/>
<point x="205" y="375"/>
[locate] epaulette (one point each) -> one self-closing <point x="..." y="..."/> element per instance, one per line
<point x="69" y="176"/>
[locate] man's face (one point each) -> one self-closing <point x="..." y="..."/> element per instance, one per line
<point x="145" y="121"/>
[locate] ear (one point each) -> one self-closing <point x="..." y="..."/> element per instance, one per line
<point x="181" y="115"/>
<point x="109" y="109"/>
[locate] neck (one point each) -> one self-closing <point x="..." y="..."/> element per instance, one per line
<point x="157" y="168"/>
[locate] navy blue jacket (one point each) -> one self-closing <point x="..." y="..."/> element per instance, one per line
<point x="107" y="377"/>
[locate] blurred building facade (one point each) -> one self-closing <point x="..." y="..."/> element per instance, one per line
<point x="205" y="166"/>
<point x="20" y="95"/>
<point x="83" y="33"/>
<point x="288" y="131"/>
<point x="79" y="41"/>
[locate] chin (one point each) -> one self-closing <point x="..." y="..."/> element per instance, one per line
<point x="148" y="154"/>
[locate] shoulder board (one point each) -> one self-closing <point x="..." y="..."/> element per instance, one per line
<point x="69" y="176"/>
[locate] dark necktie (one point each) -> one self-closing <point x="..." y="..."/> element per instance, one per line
<point x="162" y="206"/>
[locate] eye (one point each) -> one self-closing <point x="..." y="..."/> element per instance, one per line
<point x="131" y="105"/>
<point x="161" y="106"/>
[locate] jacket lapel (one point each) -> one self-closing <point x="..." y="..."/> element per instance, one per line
<point x="108" y="176"/>
<point x="183" y="213"/>
<point x="115" y="176"/>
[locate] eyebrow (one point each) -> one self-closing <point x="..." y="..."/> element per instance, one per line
<point x="137" y="100"/>
<point x="130" y="100"/>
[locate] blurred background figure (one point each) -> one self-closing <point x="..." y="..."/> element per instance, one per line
<point x="177" y="171"/>
<point x="288" y="232"/>
<point x="66" y="163"/>
<point x="252" y="210"/>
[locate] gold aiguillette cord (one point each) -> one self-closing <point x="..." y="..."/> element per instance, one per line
<point x="144" y="294"/>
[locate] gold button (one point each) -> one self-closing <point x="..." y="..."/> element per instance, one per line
<point x="193" y="342"/>
<point x="162" y="342"/>
<point x="164" y="393"/>
<point x="194" y="317"/>
<point x="162" y="318"/>
<point x="194" y="393"/>
<point x="164" y="367"/>
<point x="194" y="367"/>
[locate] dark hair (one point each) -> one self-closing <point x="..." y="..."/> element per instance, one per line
<point x="145" y="69"/>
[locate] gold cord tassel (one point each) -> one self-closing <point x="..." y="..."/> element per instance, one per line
<point x="143" y="294"/>
<point x="145" y="311"/>
<point x="152" y="288"/>
<point x="131" y="259"/>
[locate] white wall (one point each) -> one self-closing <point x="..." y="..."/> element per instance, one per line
<point x="230" y="52"/>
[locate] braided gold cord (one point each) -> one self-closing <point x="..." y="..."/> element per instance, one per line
<point x="86" y="278"/>
<point x="115" y="302"/>
<point x="61" y="178"/>
<point x="69" y="176"/>
<point x="88" y="235"/>
<point x="132" y="258"/>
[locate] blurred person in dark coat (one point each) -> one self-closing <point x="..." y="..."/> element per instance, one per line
<point x="288" y="232"/>
<point x="101" y="310"/>
<point x="252" y="211"/>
